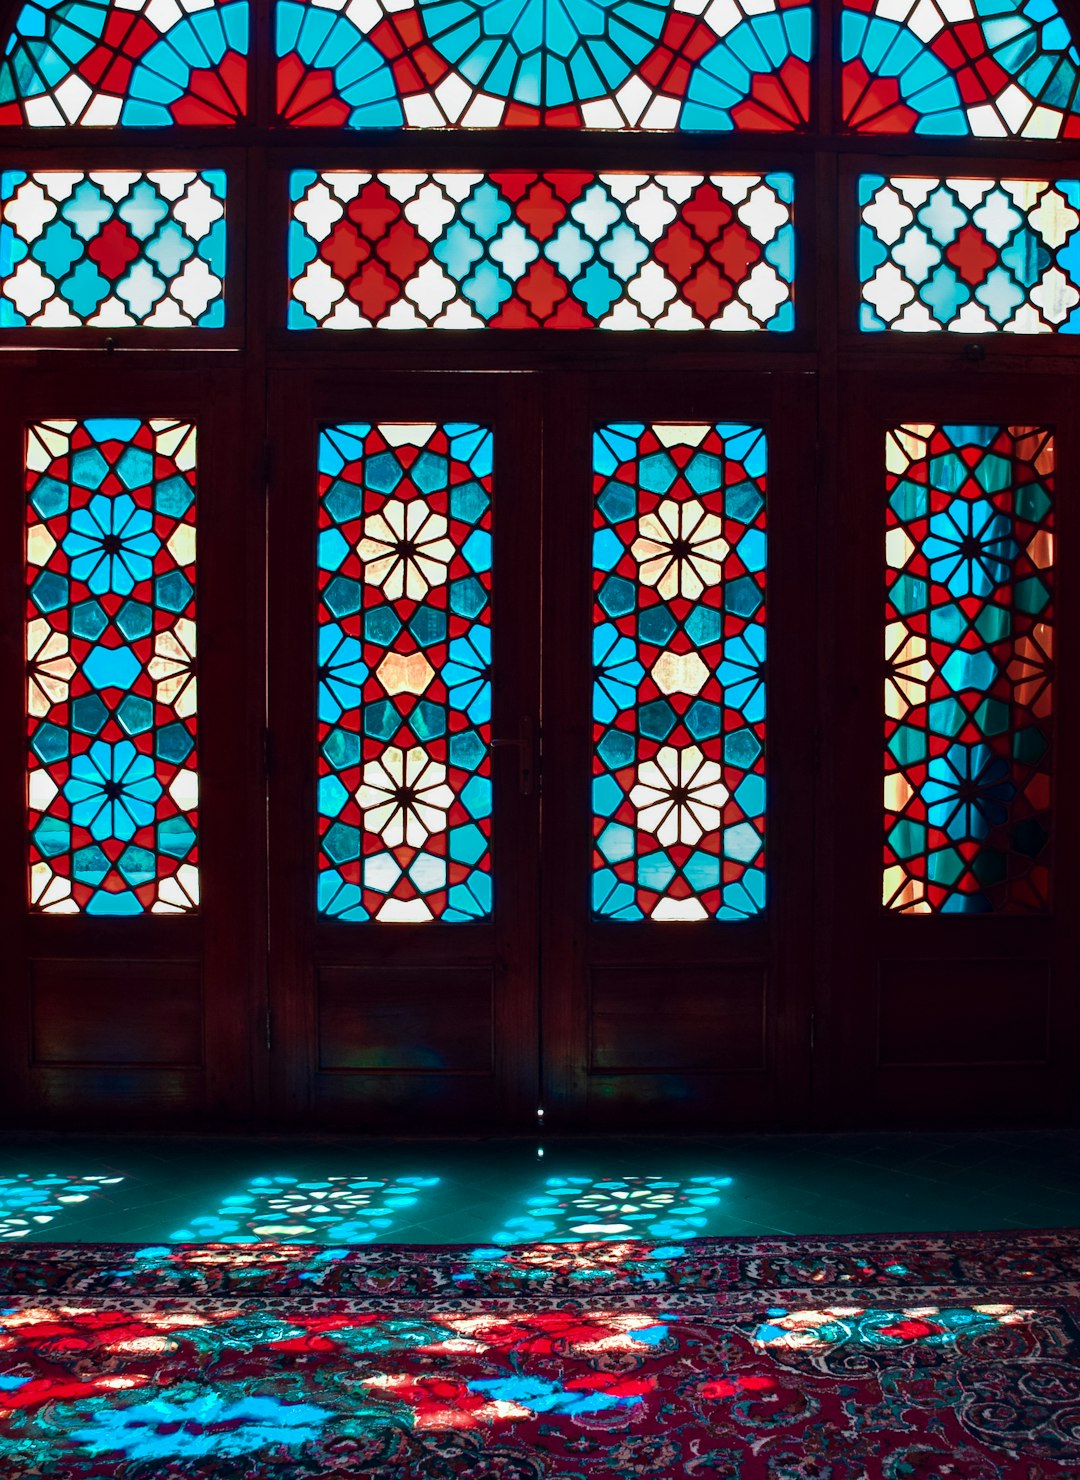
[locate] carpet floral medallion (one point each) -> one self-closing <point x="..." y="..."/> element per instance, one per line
<point x="909" y="1357"/>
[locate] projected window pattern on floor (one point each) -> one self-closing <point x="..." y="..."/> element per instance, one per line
<point x="404" y="772"/>
<point x="579" y="1209"/>
<point x="112" y="248"/>
<point x="965" y="68"/>
<point x="110" y="648"/>
<point x="972" y="255"/>
<point x="96" y="63"/>
<point x="968" y="648"/>
<point x="595" y="64"/>
<point x="341" y="1209"/>
<point x="678" y="671"/>
<point x="561" y="249"/>
<point x="28" y="1204"/>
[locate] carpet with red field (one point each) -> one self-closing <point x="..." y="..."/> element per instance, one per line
<point x="909" y="1357"/>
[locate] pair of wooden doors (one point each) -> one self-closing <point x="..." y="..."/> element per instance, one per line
<point x="480" y="881"/>
<point x="464" y="931"/>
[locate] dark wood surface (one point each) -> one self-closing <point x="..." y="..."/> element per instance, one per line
<point x="254" y="1012"/>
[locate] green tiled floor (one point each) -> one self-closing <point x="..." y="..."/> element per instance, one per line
<point x="477" y="1191"/>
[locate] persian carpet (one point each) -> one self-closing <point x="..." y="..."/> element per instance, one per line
<point x="909" y="1357"/>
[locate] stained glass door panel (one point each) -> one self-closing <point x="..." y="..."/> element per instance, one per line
<point x="678" y="511"/>
<point x="133" y="929"/>
<point x="948" y="980"/>
<point x="404" y="702"/>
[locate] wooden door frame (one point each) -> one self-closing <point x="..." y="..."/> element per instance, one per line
<point x="223" y="939"/>
<point x="301" y="944"/>
<point x="572" y="944"/>
<point x="856" y="934"/>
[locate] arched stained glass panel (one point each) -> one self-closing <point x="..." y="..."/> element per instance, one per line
<point x="603" y="64"/>
<point x="148" y="63"/>
<point x="983" y="68"/>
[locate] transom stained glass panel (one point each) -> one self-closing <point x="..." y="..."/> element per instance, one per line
<point x="111" y="653"/>
<point x="679" y="671"/>
<point x="969" y="651"/>
<point x="149" y="63"/>
<point x="961" y="68"/>
<point x="562" y="249"/>
<point x="404" y="773"/>
<point x="974" y="256"/>
<point x="112" y="248"/>
<point x="602" y="64"/>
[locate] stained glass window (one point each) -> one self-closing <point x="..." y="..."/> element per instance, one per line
<point x="112" y="248"/>
<point x="110" y="645"/>
<point x="679" y="671"/>
<point x="564" y="249"/>
<point x="405" y="541"/>
<point x="982" y="68"/>
<point x="975" y="256"/>
<point x="603" y="64"/>
<point x="142" y="62"/>
<point x="968" y="648"/>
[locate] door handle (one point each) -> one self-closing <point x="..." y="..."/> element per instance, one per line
<point x="526" y="760"/>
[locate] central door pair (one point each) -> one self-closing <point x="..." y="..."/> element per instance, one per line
<point x="540" y="816"/>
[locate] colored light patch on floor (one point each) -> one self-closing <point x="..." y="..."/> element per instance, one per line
<point x="576" y="1209"/>
<point x="973" y="256"/>
<point x="29" y="1204"/>
<point x="351" y="1210"/>
<point x="561" y="249"/>
<point x="112" y="249"/>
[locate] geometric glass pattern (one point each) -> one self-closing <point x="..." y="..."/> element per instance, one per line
<point x="561" y="249"/>
<point x="968" y="649"/>
<point x="596" y="64"/>
<point x="404" y="770"/>
<point x="110" y="646"/>
<point x="97" y="63"/>
<point x="351" y="1210"/>
<point x="112" y="248"/>
<point x="679" y="671"/>
<point x="26" y="1201"/>
<point x="960" y="68"/>
<point x="971" y="255"/>
<point x="572" y="1209"/>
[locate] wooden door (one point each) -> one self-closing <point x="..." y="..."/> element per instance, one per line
<point x="677" y="979"/>
<point x="948" y="909"/>
<point x="132" y="895"/>
<point x="403" y="701"/>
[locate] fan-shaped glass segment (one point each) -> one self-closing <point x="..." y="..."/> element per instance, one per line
<point x="148" y="63"/>
<point x="605" y="64"/>
<point x="966" y="68"/>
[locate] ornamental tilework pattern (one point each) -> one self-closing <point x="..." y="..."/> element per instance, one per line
<point x="595" y="64"/>
<point x="968" y="649"/>
<point x="975" y="256"/>
<point x="110" y="645"/>
<point x="679" y="677"/>
<point x="961" y="68"/>
<point x="112" y="248"/>
<point x="405" y="540"/>
<point x="564" y="249"/>
<point x="150" y="63"/>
